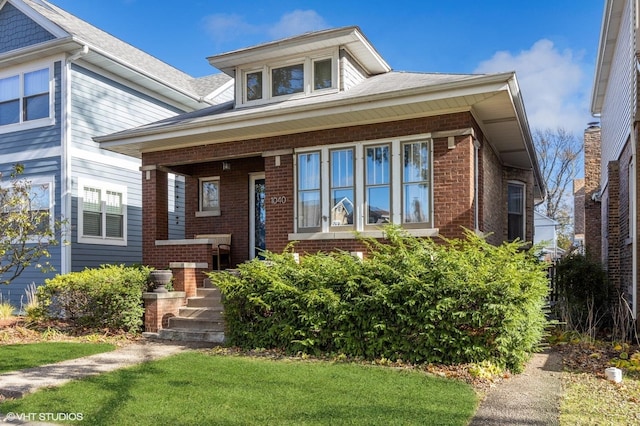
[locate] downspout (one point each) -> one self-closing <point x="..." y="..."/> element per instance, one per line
<point x="66" y="177"/>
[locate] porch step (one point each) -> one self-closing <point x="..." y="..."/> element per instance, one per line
<point x="191" y="335"/>
<point x="201" y="320"/>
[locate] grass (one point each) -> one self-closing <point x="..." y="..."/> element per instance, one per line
<point x="199" y="388"/>
<point x="17" y="357"/>
<point x="591" y="400"/>
<point x="6" y="310"/>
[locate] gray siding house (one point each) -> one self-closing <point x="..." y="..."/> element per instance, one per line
<point x="62" y="83"/>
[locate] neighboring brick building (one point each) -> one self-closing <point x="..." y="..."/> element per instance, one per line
<point x="611" y="199"/>
<point x="323" y="139"/>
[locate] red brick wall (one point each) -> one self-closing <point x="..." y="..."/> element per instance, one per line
<point x="453" y="181"/>
<point x="592" y="208"/>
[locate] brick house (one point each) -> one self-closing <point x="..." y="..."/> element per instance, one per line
<point x="611" y="201"/>
<point x="324" y="139"/>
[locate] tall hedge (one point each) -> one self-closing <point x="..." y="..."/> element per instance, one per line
<point x="106" y="297"/>
<point x="410" y="299"/>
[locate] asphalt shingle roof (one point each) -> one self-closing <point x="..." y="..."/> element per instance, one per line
<point x="101" y="40"/>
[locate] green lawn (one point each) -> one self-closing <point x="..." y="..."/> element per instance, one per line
<point x="198" y="388"/>
<point x="18" y="357"/>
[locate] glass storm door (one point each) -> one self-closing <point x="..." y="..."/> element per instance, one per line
<point x="257" y="218"/>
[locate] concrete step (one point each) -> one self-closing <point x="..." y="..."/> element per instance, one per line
<point x="204" y="302"/>
<point x="210" y="293"/>
<point x="191" y="335"/>
<point x="196" y="324"/>
<point x="202" y="313"/>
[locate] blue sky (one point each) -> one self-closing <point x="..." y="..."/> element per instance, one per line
<point x="551" y="44"/>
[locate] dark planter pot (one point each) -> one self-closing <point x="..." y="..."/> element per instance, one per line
<point x="160" y="278"/>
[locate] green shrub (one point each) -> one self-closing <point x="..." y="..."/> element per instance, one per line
<point x="105" y="297"/>
<point x="410" y="299"/>
<point x="584" y="294"/>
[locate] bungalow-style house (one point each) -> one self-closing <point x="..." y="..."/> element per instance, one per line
<point x="610" y="150"/>
<point x="323" y="139"/>
<point x="63" y="82"/>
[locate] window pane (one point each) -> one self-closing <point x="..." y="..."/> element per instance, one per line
<point x="91" y="224"/>
<point x="416" y="203"/>
<point x="210" y="195"/>
<point x="36" y="82"/>
<point x="309" y="209"/>
<point x="309" y="171"/>
<point x="9" y="88"/>
<point x="113" y="202"/>
<point x="9" y="112"/>
<point x="378" y="165"/>
<point x="322" y="74"/>
<point x="254" y="86"/>
<point x="515" y="206"/>
<point x="92" y="199"/>
<point x="36" y="107"/>
<point x="114" y="226"/>
<point x="416" y="162"/>
<point x="515" y="199"/>
<point x="342" y="187"/>
<point x="378" y="205"/>
<point x="309" y="212"/>
<point x="287" y="80"/>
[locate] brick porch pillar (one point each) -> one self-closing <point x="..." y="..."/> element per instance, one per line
<point x="186" y="275"/>
<point x="155" y="218"/>
<point x="159" y="307"/>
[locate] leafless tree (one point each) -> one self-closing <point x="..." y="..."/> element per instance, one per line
<point x="558" y="154"/>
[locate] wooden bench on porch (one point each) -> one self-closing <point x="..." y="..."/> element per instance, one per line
<point x="221" y="247"/>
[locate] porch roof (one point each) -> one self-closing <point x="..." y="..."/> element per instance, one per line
<point x="494" y="100"/>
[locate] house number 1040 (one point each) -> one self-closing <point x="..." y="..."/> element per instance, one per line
<point x="279" y="200"/>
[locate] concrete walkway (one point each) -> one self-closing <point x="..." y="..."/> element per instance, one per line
<point x="16" y="384"/>
<point x="530" y="398"/>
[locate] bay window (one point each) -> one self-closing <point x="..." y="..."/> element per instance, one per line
<point x="364" y="185"/>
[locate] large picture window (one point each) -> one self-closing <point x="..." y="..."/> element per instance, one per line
<point x="516" y="210"/>
<point x="25" y="97"/>
<point x="363" y="186"/>
<point x="102" y="214"/>
<point x="287" y="80"/>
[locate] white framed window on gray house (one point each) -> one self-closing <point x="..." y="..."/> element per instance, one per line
<point x="102" y="213"/>
<point x="516" y="211"/>
<point x="39" y="205"/>
<point x="301" y="76"/>
<point x="364" y="186"/>
<point x="208" y="196"/>
<point x="25" y="99"/>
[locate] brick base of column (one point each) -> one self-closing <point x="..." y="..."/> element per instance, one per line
<point x="159" y="307"/>
<point x="185" y="276"/>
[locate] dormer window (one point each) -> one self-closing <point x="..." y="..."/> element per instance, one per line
<point x="296" y="77"/>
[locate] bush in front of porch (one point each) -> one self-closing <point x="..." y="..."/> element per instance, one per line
<point x="464" y="301"/>
<point x="108" y="297"/>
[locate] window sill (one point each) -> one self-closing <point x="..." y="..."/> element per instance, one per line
<point x="208" y="213"/>
<point x="102" y="241"/>
<point x="309" y="236"/>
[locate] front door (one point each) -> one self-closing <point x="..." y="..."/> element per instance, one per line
<point x="257" y="215"/>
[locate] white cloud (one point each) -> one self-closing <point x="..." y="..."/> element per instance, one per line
<point x="555" y="86"/>
<point x="226" y="28"/>
<point x="297" y="22"/>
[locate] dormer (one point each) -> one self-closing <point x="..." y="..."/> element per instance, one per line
<point x="311" y="64"/>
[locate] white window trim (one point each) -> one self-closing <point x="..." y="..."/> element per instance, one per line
<point x="329" y="232"/>
<point x="207" y="213"/>
<point x="307" y="62"/>
<point x="524" y="206"/>
<point x="40" y="122"/>
<point x="36" y="181"/>
<point x="103" y="240"/>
